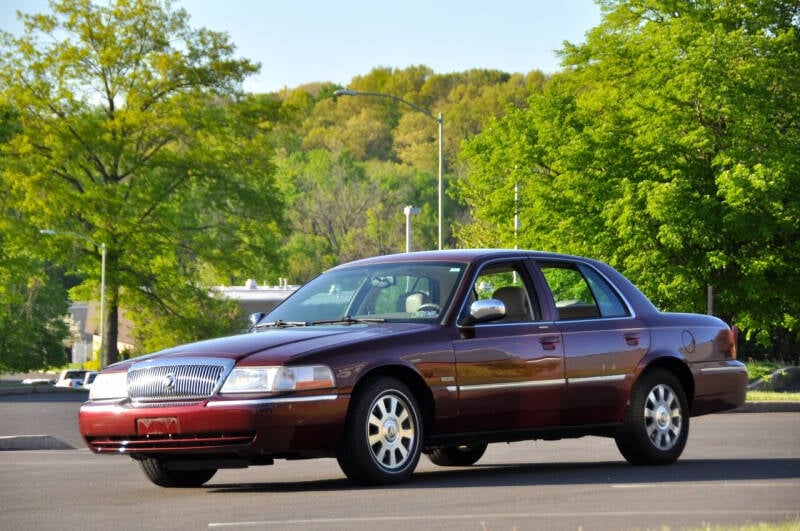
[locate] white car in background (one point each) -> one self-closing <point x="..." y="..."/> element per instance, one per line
<point x="38" y="381"/>
<point x="72" y="378"/>
<point x="88" y="379"/>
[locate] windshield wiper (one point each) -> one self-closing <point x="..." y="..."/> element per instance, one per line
<point x="281" y="324"/>
<point x="347" y="320"/>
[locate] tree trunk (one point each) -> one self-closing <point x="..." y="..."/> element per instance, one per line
<point x="110" y="350"/>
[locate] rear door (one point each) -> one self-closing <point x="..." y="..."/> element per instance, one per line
<point x="603" y="341"/>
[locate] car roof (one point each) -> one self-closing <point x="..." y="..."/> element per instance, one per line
<point x="461" y="255"/>
<point x="634" y="296"/>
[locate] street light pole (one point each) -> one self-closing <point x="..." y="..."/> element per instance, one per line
<point x="102" y="305"/>
<point x="438" y="119"/>
<point x="409" y="211"/>
<point x="102" y="247"/>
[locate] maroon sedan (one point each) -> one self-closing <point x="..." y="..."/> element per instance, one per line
<point x="379" y="360"/>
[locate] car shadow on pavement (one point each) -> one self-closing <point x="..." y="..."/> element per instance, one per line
<point x="600" y="473"/>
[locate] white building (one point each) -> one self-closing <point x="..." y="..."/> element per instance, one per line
<point x="253" y="298"/>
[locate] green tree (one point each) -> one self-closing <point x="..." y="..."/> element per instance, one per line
<point x="669" y="148"/>
<point x="33" y="300"/>
<point x="33" y="307"/>
<point x="131" y="134"/>
<point x="389" y="138"/>
<point x="341" y="209"/>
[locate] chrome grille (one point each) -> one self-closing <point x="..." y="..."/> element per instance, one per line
<point x="181" y="379"/>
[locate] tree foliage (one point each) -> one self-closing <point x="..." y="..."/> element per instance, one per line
<point x="395" y="149"/>
<point x="342" y="209"/>
<point x="131" y="135"/>
<point x="667" y="147"/>
<point x="33" y="301"/>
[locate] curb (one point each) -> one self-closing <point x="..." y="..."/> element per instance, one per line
<point x="38" y="390"/>
<point x="768" y="407"/>
<point x="33" y="442"/>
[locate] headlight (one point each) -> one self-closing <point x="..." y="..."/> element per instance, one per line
<point x="272" y="379"/>
<point x="109" y="385"/>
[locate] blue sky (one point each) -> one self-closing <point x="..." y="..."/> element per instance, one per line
<point x="303" y="41"/>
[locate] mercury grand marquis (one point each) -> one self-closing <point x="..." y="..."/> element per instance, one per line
<point x="378" y="361"/>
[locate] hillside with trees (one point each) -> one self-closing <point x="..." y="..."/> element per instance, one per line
<point x="668" y="146"/>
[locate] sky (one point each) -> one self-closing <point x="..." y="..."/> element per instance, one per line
<point x="306" y="41"/>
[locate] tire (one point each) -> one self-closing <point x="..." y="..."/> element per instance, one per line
<point x="156" y="472"/>
<point x="457" y="455"/>
<point x="381" y="443"/>
<point x="656" y="425"/>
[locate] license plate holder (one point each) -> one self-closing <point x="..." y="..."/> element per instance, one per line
<point x="157" y="426"/>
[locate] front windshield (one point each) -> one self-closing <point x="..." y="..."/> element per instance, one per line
<point x="390" y="291"/>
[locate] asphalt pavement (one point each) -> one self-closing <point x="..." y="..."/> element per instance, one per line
<point x="736" y="470"/>
<point x="40" y="418"/>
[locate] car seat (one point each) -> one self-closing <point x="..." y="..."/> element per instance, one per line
<point x="516" y="302"/>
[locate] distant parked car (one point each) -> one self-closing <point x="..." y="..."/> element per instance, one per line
<point x="38" y="381"/>
<point x="380" y="360"/>
<point x="72" y="378"/>
<point x="88" y="379"/>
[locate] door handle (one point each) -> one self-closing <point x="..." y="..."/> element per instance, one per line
<point x="632" y="339"/>
<point x="549" y="342"/>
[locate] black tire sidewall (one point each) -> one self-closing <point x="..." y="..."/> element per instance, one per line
<point x="157" y="473"/>
<point x="456" y="455"/>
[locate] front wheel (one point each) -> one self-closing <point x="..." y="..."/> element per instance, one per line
<point x="656" y="424"/>
<point x="162" y="476"/>
<point x="457" y="455"/>
<point x="382" y="439"/>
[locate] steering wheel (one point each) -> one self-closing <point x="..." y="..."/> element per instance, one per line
<point x="429" y="307"/>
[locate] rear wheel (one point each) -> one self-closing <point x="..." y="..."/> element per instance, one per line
<point x="656" y="424"/>
<point x="162" y="476"/>
<point x="457" y="455"/>
<point x="382" y="439"/>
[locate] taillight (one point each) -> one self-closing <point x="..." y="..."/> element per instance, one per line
<point x="727" y="341"/>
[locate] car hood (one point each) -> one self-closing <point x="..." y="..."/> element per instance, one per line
<point x="277" y="345"/>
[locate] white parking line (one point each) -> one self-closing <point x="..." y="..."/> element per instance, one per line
<point x="456" y="517"/>
<point x="735" y="483"/>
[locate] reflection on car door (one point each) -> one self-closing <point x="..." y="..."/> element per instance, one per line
<point x="510" y="372"/>
<point x="603" y="342"/>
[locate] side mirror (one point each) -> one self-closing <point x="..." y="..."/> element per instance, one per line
<point x="484" y="310"/>
<point x="253" y="320"/>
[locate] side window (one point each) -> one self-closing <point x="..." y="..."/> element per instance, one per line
<point x="607" y="298"/>
<point x="509" y="283"/>
<point x="580" y="293"/>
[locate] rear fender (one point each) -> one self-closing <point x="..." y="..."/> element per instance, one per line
<point x="673" y="362"/>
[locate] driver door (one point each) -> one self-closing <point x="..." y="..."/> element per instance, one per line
<point x="509" y="372"/>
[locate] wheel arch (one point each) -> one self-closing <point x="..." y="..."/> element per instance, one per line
<point x="412" y="379"/>
<point x="678" y="368"/>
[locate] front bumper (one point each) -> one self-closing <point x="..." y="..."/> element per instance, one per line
<point x="288" y="425"/>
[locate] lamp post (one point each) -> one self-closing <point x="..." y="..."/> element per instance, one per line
<point x="438" y="119"/>
<point x="102" y="247"/>
<point x="409" y="211"/>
